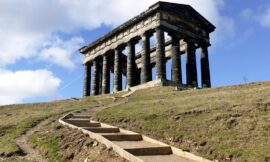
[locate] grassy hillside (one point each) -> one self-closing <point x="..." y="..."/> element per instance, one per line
<point x="16" y="119"/>
<point x="228" y="123"/>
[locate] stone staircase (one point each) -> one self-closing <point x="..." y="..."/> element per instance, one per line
<point x="130" y="145"/>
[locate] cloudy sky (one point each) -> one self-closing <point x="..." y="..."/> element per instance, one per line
<point x="39" y="42"/>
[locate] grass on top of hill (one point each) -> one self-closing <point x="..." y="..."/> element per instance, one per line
<point x="227" y="123"/>
<point x="16" y="119"/>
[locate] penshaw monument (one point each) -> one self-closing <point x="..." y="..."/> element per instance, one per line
<point x="177" y="30"/>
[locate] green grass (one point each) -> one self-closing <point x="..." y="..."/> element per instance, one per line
<point x="16" y="119"/>
<point x="220" y="123"/>
<point x="48" y="142"/>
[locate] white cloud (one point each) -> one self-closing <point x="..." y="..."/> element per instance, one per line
<point x="26" y="24"/>
<point x="15" y="46"/>
<point x="60" y="52"/>
<point x="260" y="15"/>
<point x="247" y="14"/>
<point x="264" y="18"/>
<point x="94" y="13"/>
<point x="17" y="86"/>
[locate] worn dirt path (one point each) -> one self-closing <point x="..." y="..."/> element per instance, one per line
<point x="31" y="154"/>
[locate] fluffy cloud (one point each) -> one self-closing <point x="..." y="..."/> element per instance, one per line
<point x="260" y="15"/>
<point x="61" y="52"/>
<point x="246" y="14"/>
<point x="91" y="14"/>
<point x="264" y="18"/>
<point x="17" y="86"/>
<point x="25" y="25"/>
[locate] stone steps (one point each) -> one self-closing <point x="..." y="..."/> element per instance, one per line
<point x="83" y="123"/>
<point x="103" y="130"/>
<point x="78" y="116"/>
<point x="130" y="145"/>
<point x="123" y="137"/>
<point x="165" y="158"/>
<point x="80" y="119"/>
<point x="162" y="150"/>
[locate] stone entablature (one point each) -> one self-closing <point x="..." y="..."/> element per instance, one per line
<point x="122" y="38"/>
<point x="187" y="29"/>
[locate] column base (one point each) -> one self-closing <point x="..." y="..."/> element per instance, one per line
<point x="206" y="86"/>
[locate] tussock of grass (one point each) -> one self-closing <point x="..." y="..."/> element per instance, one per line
<point x="228" y="123"/>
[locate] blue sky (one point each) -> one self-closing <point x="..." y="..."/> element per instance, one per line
<point x="39" y="59"/>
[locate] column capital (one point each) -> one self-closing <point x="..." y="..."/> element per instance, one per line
<point x="146" y="34"/>
<point x="190" y="41"/>
<point x="204" y="44"/>
<point x="174" y="34"/>
<point x="191" y="47"/>
<point x="89" y="63"/>
<point x="132" y="42"/>
<point x="159" y="28"/>
<point x="175" y="39"/>
<point x="120" y="47"/>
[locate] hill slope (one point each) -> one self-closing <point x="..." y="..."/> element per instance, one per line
<point x="16" y="119"/>
<point x="228" y="123"/>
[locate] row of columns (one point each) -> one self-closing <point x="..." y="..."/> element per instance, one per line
<point x="101" y="79"/>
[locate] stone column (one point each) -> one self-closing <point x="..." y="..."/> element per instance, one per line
<point x="106" y="76"/>
<point x="137" y="80"/>
<point x="100" y="80"/>
<point x="205" y="69"/>
<point x="146" y="71"/>
<point x="191" y="66"/>
<point x="87" y="79"/>
<point x="95" y="83"/>
<point x="117" y="69"/>
<point x="176" y="59"/>
<point x="131" y="64"/>
<point x="160" y="54"/>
